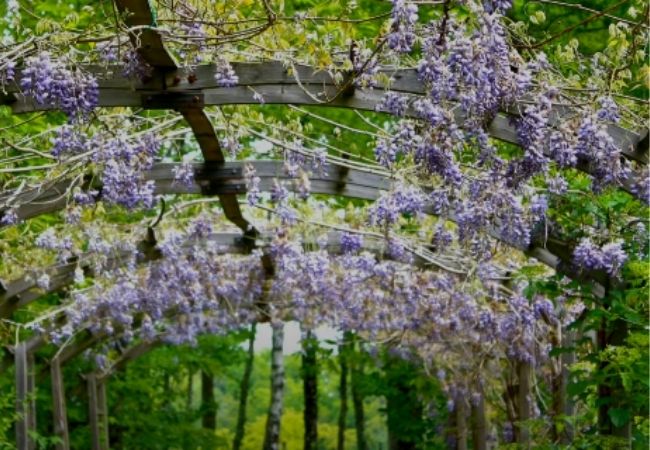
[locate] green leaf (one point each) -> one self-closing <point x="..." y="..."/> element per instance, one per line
<point x="619" y="416"/>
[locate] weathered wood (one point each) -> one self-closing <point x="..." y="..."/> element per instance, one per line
<point x="479" y="424"/>
<point x="93" y="413"/>
<point x="23" y="396"/>
<point x="102" y="414"/>
<point x="524" y="393"/>
<point x="148" y="42"/>
<point x="460" y="411"/>
<point x="97" y="412"/>
<point x="567" y="359"/>
<point x="275" y="84"/>
<point x="31" y="386"/>
<point x="228" y="178"/>
<point x="59" y="412"/>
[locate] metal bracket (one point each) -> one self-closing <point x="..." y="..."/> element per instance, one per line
<point x="178" y="100"/>
<point x="217" y="171"/>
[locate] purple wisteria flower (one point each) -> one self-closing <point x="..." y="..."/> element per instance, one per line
<point x="610" y="257"/>
<point x="404" y="17"/>
<point x="135" y="67"/>
<point x="253" y="192"/>
<point x="49" y="82"/>
<point x="393" y="103"/>
<point x="225" y="75"/>
<point x="350" y="242"/>
<point x="9" y="217"/>
<point x="184" y="174"/>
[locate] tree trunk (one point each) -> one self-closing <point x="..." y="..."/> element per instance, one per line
<point x="190" y="388"/>
<point x="403" y="408"/>
<point x="208" y="404"/>
<point x="243" y="391"/>
<point x="310" y="389"/>
<point x="356" y="374"/>
<point x="343" y="395"/>
<point x="272" y="433"/>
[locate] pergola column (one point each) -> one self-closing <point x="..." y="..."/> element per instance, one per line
<point x="97" y="412"/>
<point x="59" y="413"/>
<point x="25" y="397"/>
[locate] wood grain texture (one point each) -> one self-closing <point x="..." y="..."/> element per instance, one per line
<point x="228" y="178"/>
<point x="59" y="411"/>
<point x="277" y="85"/>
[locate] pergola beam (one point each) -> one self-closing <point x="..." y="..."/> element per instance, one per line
<point x="228" y="178"/>
<point x="276" y="84"/>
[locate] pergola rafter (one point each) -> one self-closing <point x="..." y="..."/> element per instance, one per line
<point x="228" y="179"/>
<point x="276" y="85"/>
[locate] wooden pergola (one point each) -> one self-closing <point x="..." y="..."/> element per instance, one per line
<point x="171" y="88"/>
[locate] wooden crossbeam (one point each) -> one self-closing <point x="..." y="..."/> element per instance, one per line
<point x="228" y="178"/>
<point x="277" y="85"/>
<point x="229" y="243"/>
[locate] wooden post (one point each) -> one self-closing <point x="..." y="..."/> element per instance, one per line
<point x="31" y="398"/>
<point x="524" y="370"/>
<point x="562" y="405"/>
<point x="24" y="398"/>
<point x="479" y="425"/>
<point x="461" y="422"/>
<point x="97" y="412"/>
<point x="91" y="382"/>
<point x="568" y="359"/>
<point x="58" y="406"/>
<point x="102" y="413"/>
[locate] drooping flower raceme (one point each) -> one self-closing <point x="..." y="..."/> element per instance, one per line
<point x="404" y="17"/>
<point x="50" y="83"/>
<point x="225" y="75"/>
<point x="610" y="257"/>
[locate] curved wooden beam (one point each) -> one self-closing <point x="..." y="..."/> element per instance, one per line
<point x="229" y="179"/>
<point x="633" y="146"/>
<point x="277" y="84"/>
<point x="227" y="243"/>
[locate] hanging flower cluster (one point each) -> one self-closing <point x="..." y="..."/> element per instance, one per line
<point x="49" y="82"/>
<point x="123" y="162"/>
<point x="609" y="257"/>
